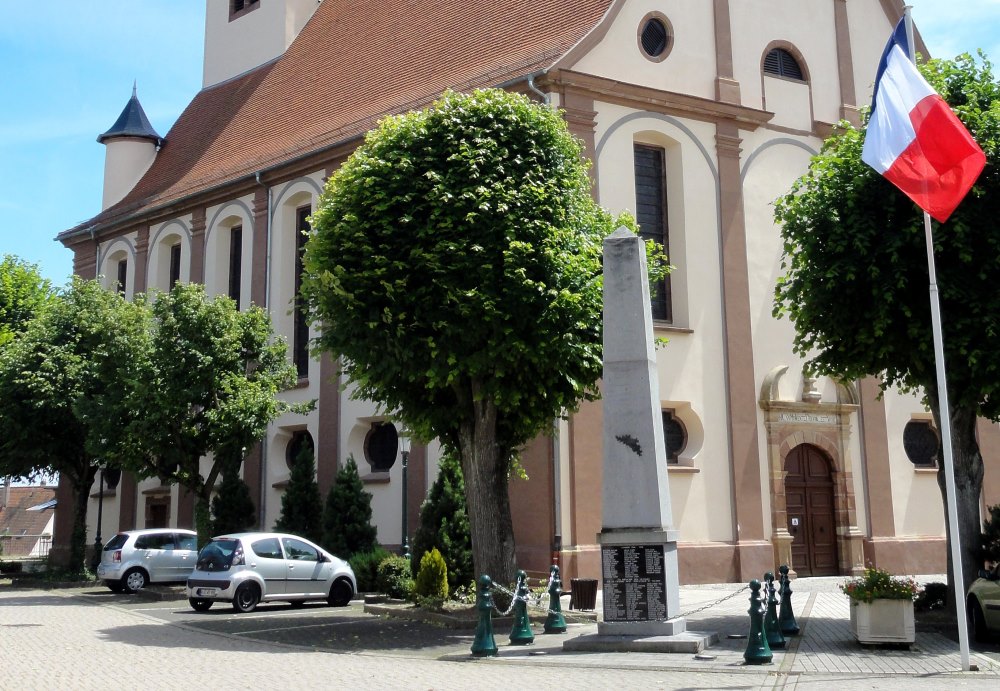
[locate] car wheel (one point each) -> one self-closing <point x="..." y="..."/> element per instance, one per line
<point x="199" y="604"/>
<point x="977" y="622"/>
<point x="246" y="598"/>
<point x="340" y="593"/>
<point x="134" y="580"/>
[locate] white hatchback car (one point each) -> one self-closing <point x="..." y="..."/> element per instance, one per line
<point x="135" y="558"/>
<point x="248" y="568"/>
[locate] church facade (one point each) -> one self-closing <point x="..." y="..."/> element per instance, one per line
<point x="696" y="115"/>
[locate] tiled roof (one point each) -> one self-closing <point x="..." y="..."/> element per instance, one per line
<point x="352" y="63"/>
<point x="16" y="519"/>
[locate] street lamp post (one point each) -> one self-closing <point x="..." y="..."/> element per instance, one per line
<point x="95" y="562"/>
<point x="404" y="447"/>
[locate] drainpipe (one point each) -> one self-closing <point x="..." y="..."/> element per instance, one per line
<point x="531" y="85"/>
<point x="97" y="253"/>
<point x="267" y="304"/>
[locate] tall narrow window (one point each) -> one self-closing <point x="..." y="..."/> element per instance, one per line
<point x="300" y="345"/>
<point x="175" y="265"/>
<point x="651" y="213"/>
<point x="122" y="276"/>
<point x="235" y="263"/>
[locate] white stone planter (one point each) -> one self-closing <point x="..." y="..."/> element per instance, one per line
<point x="883" y="621"/>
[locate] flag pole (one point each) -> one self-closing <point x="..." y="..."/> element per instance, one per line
<point x="944" y="414"/>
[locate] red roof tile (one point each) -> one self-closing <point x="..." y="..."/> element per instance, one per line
<point x="352" y="63"/>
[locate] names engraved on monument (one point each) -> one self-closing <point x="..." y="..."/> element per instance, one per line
<point x="634" y="583"/>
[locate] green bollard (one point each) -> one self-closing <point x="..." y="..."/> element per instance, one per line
<point x="786" y="618"/>
<point x="554" y="622"/>
<point x="521" y="633"/>
<point x="757" y="652"/>
<point x="484" y="645"/>
<point x="775" y="641"/>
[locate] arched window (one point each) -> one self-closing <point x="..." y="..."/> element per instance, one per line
<point x="781" y="63"/>
<point x="381" y="446"/>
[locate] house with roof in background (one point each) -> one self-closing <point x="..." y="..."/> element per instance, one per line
<point x="696" y="116"/>
<point x="27" y="517"/>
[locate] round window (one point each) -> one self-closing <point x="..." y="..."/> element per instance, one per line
<point x="674" y="436"/>
<point x="381" y="446"/>
<point x="654" y="37"/>
<point x="300" y="441"/>
<point x="920" y="442"/>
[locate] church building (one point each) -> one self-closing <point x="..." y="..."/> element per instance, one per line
<point x="696" y="115"/>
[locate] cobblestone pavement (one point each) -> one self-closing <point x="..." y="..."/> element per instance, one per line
<point x="86" y="638"/>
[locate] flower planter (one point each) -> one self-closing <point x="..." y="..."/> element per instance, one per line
<point x="883" y="621"/>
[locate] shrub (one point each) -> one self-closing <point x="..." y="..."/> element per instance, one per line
<point x="394" y="577"/>
<point x="444" y="524"/>
<point x="365" y="565"/>
<point x="878" y="584"/>
<point x="989" y="540"/>
<point x="233" y="510"/>
<point x="347" y="519"/>
<point x="432" y="579"/>
<point x="301" y="504"/>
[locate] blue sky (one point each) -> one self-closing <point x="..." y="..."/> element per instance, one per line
<point x="67" y="72"/>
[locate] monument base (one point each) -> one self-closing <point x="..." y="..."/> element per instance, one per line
<point x="690" y="642"/>
<point x="668" y="627"/>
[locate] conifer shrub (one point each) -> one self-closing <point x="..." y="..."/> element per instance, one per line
<point x="989" y="539"/>
<point x="347" y="518"/>
<point x="233" y="511"/>
<point x="432" y="579"/>
<point x="301" y="504"/>
<point x="394" y="577"/>
<point x="365" y="566"/>
<point x="444" y="524"/>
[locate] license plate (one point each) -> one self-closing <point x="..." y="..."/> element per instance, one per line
<point x="207" y="592"/>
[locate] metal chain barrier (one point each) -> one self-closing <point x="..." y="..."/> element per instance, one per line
<point x="513" y="598"/>
<point x="717" y="602"/>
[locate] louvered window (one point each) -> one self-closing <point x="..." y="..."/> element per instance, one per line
<point x="651" y="213"/>
<point x="235" y="263"/>
<point x="781" y="63"/>
<point x="300" y="346"/>
<point x="654" y="37"/>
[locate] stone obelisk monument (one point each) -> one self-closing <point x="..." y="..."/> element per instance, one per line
<point x="637" y="538"/>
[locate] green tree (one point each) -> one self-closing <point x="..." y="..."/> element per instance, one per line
<point x="455" y="268"/>
<point x="233" y="511"/>
<point x="301" y="504"/>
<point x="23" y="293"/>
<point x="58" y="380"/>
<point x="347" y="519"/>
<point x="209" y="386"/>
<point x="856" y="282"/>
<point x="444" y="525"/>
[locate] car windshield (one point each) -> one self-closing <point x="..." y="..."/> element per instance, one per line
<point x="217" y="555"/>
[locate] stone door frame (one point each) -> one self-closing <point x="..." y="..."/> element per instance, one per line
<point x="826" y="426"/>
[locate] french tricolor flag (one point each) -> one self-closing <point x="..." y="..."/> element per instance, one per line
<point x="914" y="139"/>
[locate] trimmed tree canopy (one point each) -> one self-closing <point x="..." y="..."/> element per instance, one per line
<point x="456" y="270"/>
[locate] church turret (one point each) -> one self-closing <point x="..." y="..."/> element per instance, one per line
<point x="131" y="144"/>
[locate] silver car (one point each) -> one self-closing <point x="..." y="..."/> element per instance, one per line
<point x="135" y="558"/>
<point x="248" y="568"/>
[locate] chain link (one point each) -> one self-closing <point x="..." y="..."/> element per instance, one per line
<point x="513" y="599"/>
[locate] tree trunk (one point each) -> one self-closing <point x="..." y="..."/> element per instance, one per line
<point x="968" y="488"/>
<point x="485" y="467"/>
<point x="203" y="517"/>
<point x="78" y="538"/>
